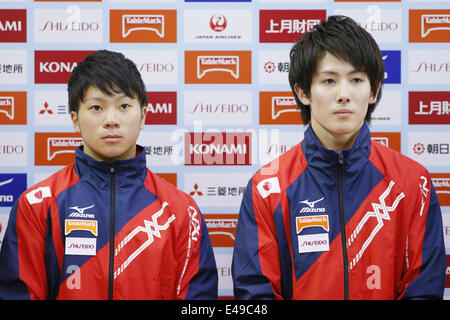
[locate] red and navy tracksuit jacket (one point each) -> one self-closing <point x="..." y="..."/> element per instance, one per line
<point x="364" y="223"/>
<point x="106" y="231"/>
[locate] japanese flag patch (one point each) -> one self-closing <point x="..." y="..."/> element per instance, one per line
<point x="38" y="195"/>
<point x="268" y="186"/>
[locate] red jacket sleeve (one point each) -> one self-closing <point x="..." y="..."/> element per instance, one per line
<point x="196" y="264"/>
<point x="22" y="257"/>
<point x="426" y="258"/>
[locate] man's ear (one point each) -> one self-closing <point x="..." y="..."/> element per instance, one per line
<point x="75" y="122"/>
<point x="301" y="95"/>
<point x="143" y="116"/>
<point x="373" y="98"/>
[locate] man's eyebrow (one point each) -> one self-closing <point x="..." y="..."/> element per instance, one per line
<point x="332" y="72"/>
<point x="100" y="98"/>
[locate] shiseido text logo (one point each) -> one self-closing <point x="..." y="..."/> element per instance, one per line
<point x="219" y="108"/>
<point x="69" y="26"/>
<point x="432" y="67"/>
<point x="428" y="67"/>
<point x="6" y="149"/>
<point x="156" y="67"/>
<point x="217" y="148"/>
<point x="13" y="25"/>
<point x="380" y="26"/>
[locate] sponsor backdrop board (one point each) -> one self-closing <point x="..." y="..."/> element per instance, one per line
<point x="220" y="103"/>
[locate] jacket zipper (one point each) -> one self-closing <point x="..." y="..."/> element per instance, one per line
<point x="342" y="222"/>
<point x="112" y="174"/>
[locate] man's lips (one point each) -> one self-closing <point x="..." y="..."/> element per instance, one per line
<point x="112" y="138"/>
<point x="343" y="112"/>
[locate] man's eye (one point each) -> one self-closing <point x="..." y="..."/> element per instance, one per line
<point x="124" y="106"/>
<point x="96" y="108"/>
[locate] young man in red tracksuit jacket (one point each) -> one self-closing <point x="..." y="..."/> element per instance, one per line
<point x="339" y="216"/>
<point x="106" y="227"/>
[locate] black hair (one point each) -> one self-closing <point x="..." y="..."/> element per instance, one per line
<point x="342" y="37"/>
<point x="108" y="71"/>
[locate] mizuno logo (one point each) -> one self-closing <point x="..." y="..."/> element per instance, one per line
<point x="80" y="212"/>
<point x="6" y="182"/>
<point x="311" y="206"/>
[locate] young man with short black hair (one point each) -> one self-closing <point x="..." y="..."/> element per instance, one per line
<point x="342" y="217"/>
<point x="106" y="227"/>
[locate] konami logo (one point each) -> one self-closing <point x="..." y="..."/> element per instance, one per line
<point x="278" y="107"/>
<point x="287" y="25"/>
<point x="56" y="66"/>
<point x="143" y="26"/>
<point x="13" y="107"/>
<point x="161" y="108"/>
<point x="431" y="107"/>
<point x="58" y="148"/>
<point x="217" y="148"/>
<point x="429" y="25"/>
<point x="218" y="66"/>
<point x="13" y="25"/>
<point x="388" y="139"/>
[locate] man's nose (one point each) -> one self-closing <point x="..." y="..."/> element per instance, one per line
<point x="111" y="120"/>
<point x="343" y="96"/>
